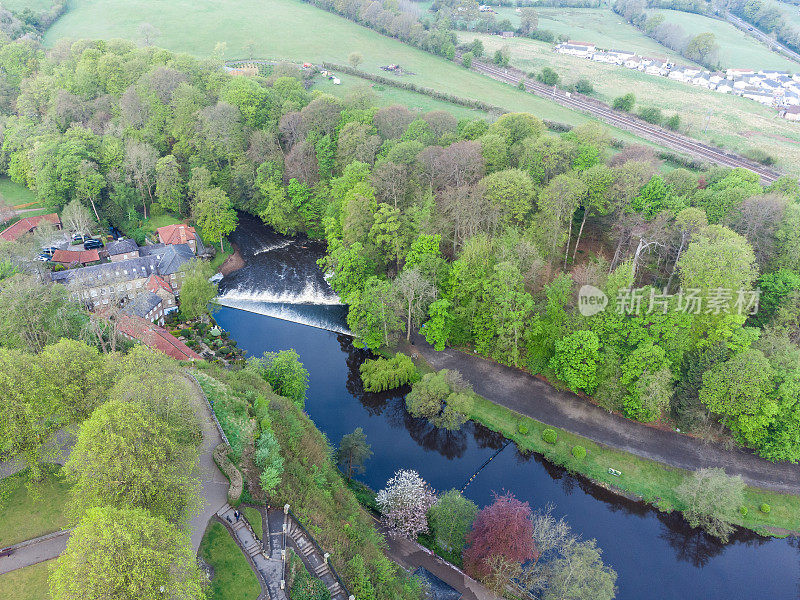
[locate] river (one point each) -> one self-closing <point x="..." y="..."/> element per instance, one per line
<point x="280" y="300"/>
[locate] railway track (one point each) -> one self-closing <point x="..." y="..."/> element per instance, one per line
<point x="653" y="133"/>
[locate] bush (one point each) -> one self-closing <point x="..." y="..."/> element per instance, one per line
<point x="548" y="76"/>
<point x="384" y="374"/>
<point x="579" y="452"/>
<point x="550" y="436"/>
<point x="466" y="59"/>
<point x="584" y="86"/>
<point x="673" y="123"/>
<point x="765" y="508"/>
<point x="651" y="114"/>
<point x="760" y="156"/>
<point x="743" y="511"/>
<point x="522" y="428"/>
<point x="624" y="103"/>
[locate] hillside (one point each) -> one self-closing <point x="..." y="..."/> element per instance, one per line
<point x="735" y="123"/>
<point x="286" y="29"/>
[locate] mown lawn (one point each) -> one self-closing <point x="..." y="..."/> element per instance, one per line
<point x="23" y="517"/>
<point x="16" y="194"/>
<point x="29" y="583"/>
<point x="737" y="49"/>
<point x="646" y="479"/>
<point x="738" y="124"/>
<point x="233" y="577"/>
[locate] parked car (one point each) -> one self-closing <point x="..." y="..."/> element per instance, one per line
<point x="92" y="244"/>
<point x="49" y="250"/>
<point x="79" y="238"/>
<point x="42" y="257"/>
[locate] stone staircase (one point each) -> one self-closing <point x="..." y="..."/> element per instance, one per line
<point x="316" y="563"/>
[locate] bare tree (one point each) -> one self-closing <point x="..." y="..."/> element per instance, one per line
<point x="301" y="163"/>
<point x="290" y="128"/>
<point x="76" y="217"/>
<point x="392" y="121"/>
<point x="390" y="181"/>
<point x="148" y="33"/>
<point x="758" y="219"/>
<point x="140" y="165"/>
<point x="417" y="292"/>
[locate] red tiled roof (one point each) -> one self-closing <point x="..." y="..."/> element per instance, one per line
<point x="156" y="338"/>
<point x="176" y="234"/>
<point x="155" y="282"/>
<point x="72" y="257"/>
<point x="26" y="225"/>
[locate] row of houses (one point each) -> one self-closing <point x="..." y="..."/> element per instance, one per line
<point x="771" y="88"/>
<point x="145" y="280"/>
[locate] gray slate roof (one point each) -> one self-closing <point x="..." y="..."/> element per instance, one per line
<point x="173" y="258"/>
<point x="122" y="247"/>
<point x="143" y="304"/>
<point x="126" y="270"/>
<point x="151" y="249"/>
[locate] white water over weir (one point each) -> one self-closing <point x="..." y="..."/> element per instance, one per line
<point x="281" y="279"/>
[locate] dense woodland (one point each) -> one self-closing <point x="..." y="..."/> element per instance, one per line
<point x="478" y="233"/>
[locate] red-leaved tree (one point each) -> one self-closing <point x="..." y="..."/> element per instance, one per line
<point x="502" y="530"/>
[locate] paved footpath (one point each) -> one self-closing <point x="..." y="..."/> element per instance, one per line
<point x="34" y="551"/>
<point x="214" y="491"/>
<point x="539" y="400"/>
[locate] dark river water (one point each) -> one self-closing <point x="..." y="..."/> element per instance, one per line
<point x="270" y="304"/>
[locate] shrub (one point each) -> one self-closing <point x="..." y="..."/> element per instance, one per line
<point x="761" y="156"/>
<point x="584" y="86"/>
<point x="651" y="114"/>
<point x="548" y="76"/>
<point x="522" y="428"/>
<point x="743" y="511"/>
<point x="673" y="123"/>
<point x="550" y="436"/>
<point x="624" y="103"/>
<point x="466" y="59"/>
<point x="765" y="508"/>
<point x="579" y="452"/>
<point x="383" y="374"/>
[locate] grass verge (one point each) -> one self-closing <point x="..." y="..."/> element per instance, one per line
<point x="253" y="516"/>
<point x="644" y="479"/>
<point x="29" y="583"/>
<point x="233" y="577"/>
<point x="24" y="516"/>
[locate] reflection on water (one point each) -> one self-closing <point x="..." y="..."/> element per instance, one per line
<point x="656" y="555"/>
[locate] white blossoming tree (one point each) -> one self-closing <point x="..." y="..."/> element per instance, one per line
<point x="404" y="504"/>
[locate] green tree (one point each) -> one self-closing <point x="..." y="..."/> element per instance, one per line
<point x="466" y="59"/>
<point x="360" y="585"/>
<point x="512" y="192"/>
<point x="126" y="457"/>
<point x="575" y="360"/>
<point x="355" y="59"/>
<point x="375" y="314"/>
<point x="438" y="327"/>
<point x="215" y="214"/>
<point x="548" y="76"/>
<point x="450" y="520"/>
<point x="152" y="559"/>
<point x="353" y="452"/>
<point x="443" y="398"/>
<point x="711" y="499"/>
<point x="197" y="291"/>
<point x="285" y="373"/>
<point x="741" y="390"/>
<point x="75" y="376"/>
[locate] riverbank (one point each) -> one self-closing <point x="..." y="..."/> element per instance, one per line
<point x="640" y="478"/>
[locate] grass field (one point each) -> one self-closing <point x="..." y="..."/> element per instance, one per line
<point x="23" y="518"/>
<point x="735" y="123"/>
<point x="737" y="49"/>
<point x="601" y="26"/>
<point x="233" y="577"/>
<point x="291" y="30"/>
<point x="790" y="11"/>
<point x="20" y="5"/>
<point x="15" y="194"/>
<point x="29" y="583"/>
<point x="390" y="95"/>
